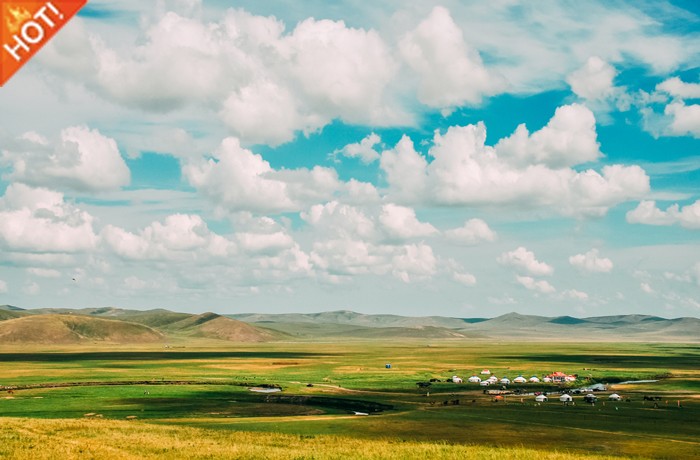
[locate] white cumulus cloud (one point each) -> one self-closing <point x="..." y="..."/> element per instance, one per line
<point x="684" y="119"/>
<point x="346" y="257"/>
<point x="236" y="179"/>
<point x="526" y="261"/>
<point x="414" y="262"/>
<point x="531" y="284"/>
<point x="568" y="139"/>
<point x="679" y="118"/>
<point x="266" y="112"/>
<point x="180" y="237"/>
<point x="405" y="171"/>
<point x="268" y="80"/>
<point x="38" y="220"/>
<point x="575" y="294"/>
<point x="649" y="214"/>
<point x="591" y="262"/>
<point x="342" y="259"/>
<point x="342" y="71"/>
<point x="334" y="219"/>
<point x="364" y="150"/>
<point x="450" y="72"/>
<point x="83" y="159"/>
<point x="466" y="172"/>
<point x="265" y="84"/>
<point x="401" y="223"/>
<point x="472" y="232"/>
<point x="677" y="88"/>
<point x="594" y="80"/>
<point x="270" y="243"/>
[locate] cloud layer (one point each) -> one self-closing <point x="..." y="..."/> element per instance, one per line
<point x="183" y="153"/>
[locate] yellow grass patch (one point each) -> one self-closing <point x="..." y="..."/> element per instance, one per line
<point x="106" y="439"/>
<point x="248" y="366"/>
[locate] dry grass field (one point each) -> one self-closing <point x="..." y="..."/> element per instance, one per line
<point x="191" y="400"/>
<point x="23" y="439"/>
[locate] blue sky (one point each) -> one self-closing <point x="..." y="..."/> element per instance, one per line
<point x="458" y="158"/>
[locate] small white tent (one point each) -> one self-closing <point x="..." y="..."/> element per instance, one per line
<point x="546" y="380"/>
<point x="540" y="398"/>
<point x="485" y="372"/>
<point x="456" y="379"/>
<point x="534" y="379"/>
<point x="485" y="383"/>
<point x="505" y="381"/>
<point x="474" y="379"/>
<point x="615" y="397"/>
<point x="565" y="398"/>
<point x="519" y="379"/>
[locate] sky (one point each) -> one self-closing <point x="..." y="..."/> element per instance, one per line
<point x="460" y="158"/>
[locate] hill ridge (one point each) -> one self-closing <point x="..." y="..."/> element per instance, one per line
<point x="259" y="327"/>
<point x="511" y="325"/>
<point x="65" y="328"/>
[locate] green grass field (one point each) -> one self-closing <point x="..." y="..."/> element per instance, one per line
<point x="205" y="387"/>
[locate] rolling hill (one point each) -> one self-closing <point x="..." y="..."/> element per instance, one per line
<point x="213" y="326"/>
<point x="511" y="326"/>
<point x="157" y="318"/>
<point x="61" y="325"/>
<point x="357" y="319"/>
<point x="109" y="324"/>
<point x="70" y="329"/>
<point x="9" y="314"/>
<point x="330" y="331"/>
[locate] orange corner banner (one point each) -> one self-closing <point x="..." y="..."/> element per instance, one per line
<point x="26" y="26"/>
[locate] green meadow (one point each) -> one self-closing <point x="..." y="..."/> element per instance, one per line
<point x="202" y="390"/>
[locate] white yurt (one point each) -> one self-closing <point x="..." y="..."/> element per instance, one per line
<point x="534" y="379"/>
<point x="456" y="379"/>
<point x="485" y="372"/>
<point x="493" y="379"/>
<point x="615" y="397"/>
<point x="474" y="379"/>
<point x="540" y="398"/>
<point x="519" y="379"/>
<point x="485" y="383"/>
<point x="505" y="381"/>
<point x="546" y="380"/>
<point x="565" y="398"/>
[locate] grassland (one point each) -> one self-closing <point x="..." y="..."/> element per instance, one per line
<point x="102" y="439"/>
<point x="199" y="395"/>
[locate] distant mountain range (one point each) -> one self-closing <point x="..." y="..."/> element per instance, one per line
<point x="50" y="325"/>
<point x="509" y="326"/>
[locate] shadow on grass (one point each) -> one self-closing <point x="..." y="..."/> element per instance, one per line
<point x="243" y="404"/>
<point x="684" y="361"/>
<point x="152" y="355"/>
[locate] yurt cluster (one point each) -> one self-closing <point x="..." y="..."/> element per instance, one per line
<point x="555" y="377"/>
<point x="486" y="378"/>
